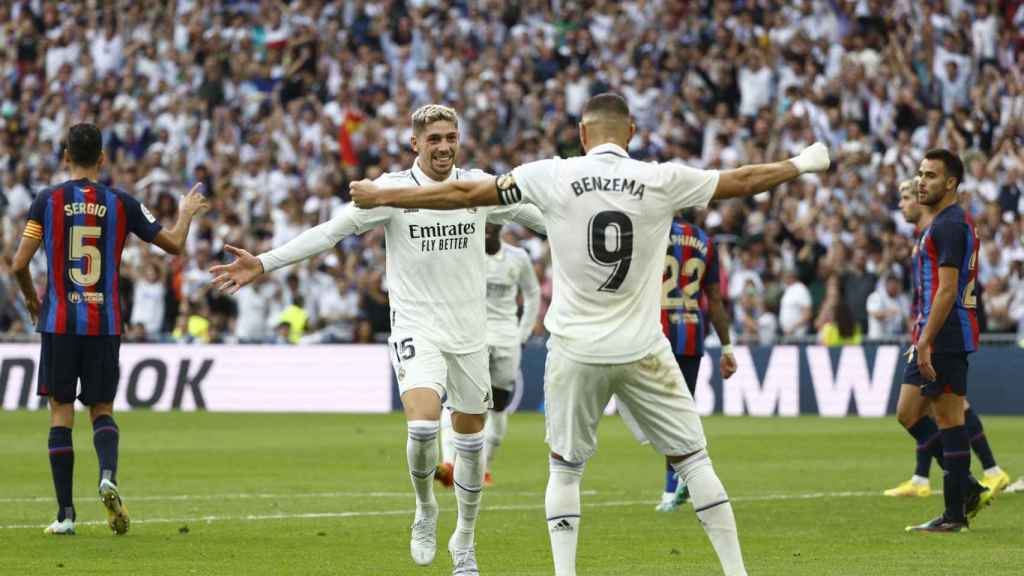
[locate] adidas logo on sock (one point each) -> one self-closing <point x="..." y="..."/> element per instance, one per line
<point x="562" y="526"/>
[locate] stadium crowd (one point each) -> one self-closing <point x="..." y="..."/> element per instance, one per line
<point x="276" y="107"/>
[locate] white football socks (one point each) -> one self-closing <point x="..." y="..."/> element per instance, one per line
<point x="421" y="452"/>
<point x="469" y="483"/>
<point x="711" y="504"/>
<point x="562" y="506"/>
<point x="447" y="442"/>
<point x="494" y="433"/>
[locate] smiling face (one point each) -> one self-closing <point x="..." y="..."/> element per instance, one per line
<point x="436" y="147"/>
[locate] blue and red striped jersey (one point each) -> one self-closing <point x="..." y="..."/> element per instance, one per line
<point x="83" y="226"/>
<point x="950" y="240"/>
<point x="691" y="266"/>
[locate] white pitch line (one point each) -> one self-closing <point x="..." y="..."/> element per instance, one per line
<point x="377" y="513"/>
<point x="262" y="496"/>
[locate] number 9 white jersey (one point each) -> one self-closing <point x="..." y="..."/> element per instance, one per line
<point x="607" y="219"/>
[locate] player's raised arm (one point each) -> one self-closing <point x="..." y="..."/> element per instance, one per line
<point x="450" y="195"/>
<point x="757" y="178"/>
<point x="173" y="241"/>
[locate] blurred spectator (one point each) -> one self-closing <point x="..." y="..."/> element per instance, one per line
<point x="193" y="324"/>
<point x="295" y="318"/>
<point x="795" y="306"/>
<point x="148" y="302"/>
<point x="254" y="311"/>
<point x="836" y="325"/>
<point x="888" y="309"/>
<point x="752" y="322"/>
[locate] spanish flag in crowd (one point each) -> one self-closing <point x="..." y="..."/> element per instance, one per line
<point x="350" y="124"/>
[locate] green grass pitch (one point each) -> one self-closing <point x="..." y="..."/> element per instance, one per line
<point x="328" y="494"/>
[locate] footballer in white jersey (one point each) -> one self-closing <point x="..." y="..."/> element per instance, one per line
<point x="436" y="270"/>
<point x="607" y="218"/>
<point x="509" y="274"/>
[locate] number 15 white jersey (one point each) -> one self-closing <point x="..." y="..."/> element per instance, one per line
<point x="607" y="217"/>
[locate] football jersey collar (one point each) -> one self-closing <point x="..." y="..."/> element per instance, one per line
<point x="608" y="148"/>
<point x="422" y="179"/>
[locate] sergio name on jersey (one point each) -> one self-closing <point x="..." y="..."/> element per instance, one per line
<point x="436" y="267"/>
<point x="608" y="219"/>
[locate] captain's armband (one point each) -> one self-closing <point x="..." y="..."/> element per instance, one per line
<point x="508" y="190"/>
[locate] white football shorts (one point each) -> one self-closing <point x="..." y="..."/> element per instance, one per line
<point x="504" y="363"/>
<point x="462" y="380"/>
<point x="652" y="389"/>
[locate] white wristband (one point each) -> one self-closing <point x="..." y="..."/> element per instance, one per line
<point x="814" y="158"/>
<point x="727" y="349"/>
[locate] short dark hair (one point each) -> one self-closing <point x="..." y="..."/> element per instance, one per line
<point x="607" y="104"/>
<point x="952" y="163"/>
<point x="84" y="144"/>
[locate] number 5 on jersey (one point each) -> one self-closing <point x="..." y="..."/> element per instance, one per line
<point x="88" y="272"/>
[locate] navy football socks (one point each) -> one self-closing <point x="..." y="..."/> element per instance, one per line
<point x="978" y="440"/>
<point x="62" y="465"/>
<point x="956" y="452"/>
<point x="929" y="444"/>
<point x="105" y="436"/>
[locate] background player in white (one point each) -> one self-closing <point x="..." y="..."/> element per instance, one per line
<point x="608" y="219"/>
<point x="436" y="268"/>
<point x="509" y="272"/>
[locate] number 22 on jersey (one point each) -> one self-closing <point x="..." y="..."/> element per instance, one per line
<point x="672" y="296"/>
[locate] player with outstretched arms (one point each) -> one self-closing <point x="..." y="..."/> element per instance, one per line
<point x="436" y="270"/>
<point x="608" y="219"/>
<point x="509" y="272"/>
<point x="83" y="225"/>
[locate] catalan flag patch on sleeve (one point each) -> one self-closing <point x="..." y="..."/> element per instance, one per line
<point x="34" y="230"/>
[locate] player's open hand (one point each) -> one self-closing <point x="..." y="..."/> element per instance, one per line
<point x="364" y="193"/>
<point x="924" y="363"/>
<point x="727" y="365"/>
<point x="229" y="278"/>
<point x="195" y="202"/>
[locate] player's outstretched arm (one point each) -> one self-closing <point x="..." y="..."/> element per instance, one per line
<point x="230" y="278"/>
<point x="450" y="195"/>
<point x="757" y="178"/>
<point x="22" y="258"/>
<point x="173" y="241"/>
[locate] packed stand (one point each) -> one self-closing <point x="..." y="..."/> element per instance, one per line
<point x="275" y="107"/>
